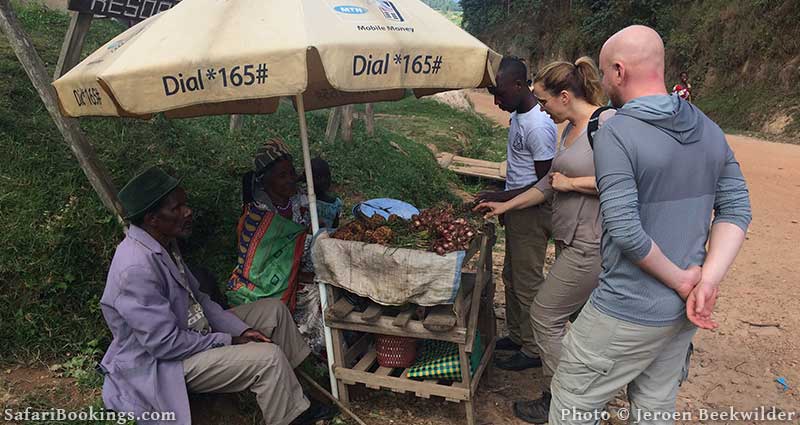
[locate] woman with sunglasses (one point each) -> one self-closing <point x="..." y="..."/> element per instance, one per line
<point x="567" y="92"/>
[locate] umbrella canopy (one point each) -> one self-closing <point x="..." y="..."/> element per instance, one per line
<point x="206" y="57"/>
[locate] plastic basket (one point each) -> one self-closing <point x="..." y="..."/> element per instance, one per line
<point x="395" y="351"/>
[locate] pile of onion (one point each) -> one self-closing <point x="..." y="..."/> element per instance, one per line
<point x="449" y="233"/>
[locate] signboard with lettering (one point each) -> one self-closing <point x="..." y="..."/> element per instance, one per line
<point x="136" y="10"/>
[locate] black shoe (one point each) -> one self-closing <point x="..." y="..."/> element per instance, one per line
<point x="519" y="361"/>
<point x="507" y="344"/>
<point x="534" y="411"/>
<point x="316" y="412"/>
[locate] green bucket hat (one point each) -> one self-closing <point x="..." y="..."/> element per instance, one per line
<point x="145" y="190"/>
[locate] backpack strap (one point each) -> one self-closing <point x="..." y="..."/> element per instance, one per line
<point x="594" y="123"/>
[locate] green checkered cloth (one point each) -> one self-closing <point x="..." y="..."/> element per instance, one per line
<point x="439" y="360"/>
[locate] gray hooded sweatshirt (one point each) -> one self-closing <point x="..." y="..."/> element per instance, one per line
<point x="662" y="168"/>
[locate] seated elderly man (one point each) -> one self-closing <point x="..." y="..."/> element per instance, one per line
<point x="169" y="338"/>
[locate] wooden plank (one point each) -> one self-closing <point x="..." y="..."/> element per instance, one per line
<point x="480" y="283"/>
<point x="357" y="349"/>
<point x="383" y="371"/>
<point x="471" y="172"/>
<point x="440" y="318"/>
<point x="474" y="169"/>
<point x="369" y="119"/>
<point x="383" y="325"/>
<point x="347" y="123"/>
<point x="342" y="308"/>
<point x="69" y="127"/>
<point x="73" y="42"/>
<point x="469" y="408"/>
<point x="236" y="123"/>
<point x="463" y="357"/>
<point x="464" y="298"/>
<point x="372" y="313"/>
<point x="474" y="247"/>
<point x="334" y="117"/>
<point x="482" y="367"/>
<point x="403" y="375"/>
<point x="477" y="162"/>
<point x="423" y="389"/>
<point x="366" y="361"/>
<point x="402" y="319"/>
<point x="444" y="159"/>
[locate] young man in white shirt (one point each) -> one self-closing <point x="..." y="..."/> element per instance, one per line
<point x="531" y="148"/>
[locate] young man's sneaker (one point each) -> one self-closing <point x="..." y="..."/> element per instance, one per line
<point x="507" y="344"/>
<point x="534" y="411"/>
<point x="518" y="361"/>
<point x="317" y="411"/>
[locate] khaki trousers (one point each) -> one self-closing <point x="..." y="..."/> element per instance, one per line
<point x="527" y="233"/>
<point x="602" y="355"/>
<point x="264" y="368"/>
<point x="563" y="293"/>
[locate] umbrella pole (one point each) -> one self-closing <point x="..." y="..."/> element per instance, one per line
<point x="312" y="203"/>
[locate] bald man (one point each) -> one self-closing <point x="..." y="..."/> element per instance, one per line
<point x="662" y="169"/>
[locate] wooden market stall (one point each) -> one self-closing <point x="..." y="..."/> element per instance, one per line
<point x="460" y="323"/>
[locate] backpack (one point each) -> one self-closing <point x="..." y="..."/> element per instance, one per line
<point x="594" y="123"/>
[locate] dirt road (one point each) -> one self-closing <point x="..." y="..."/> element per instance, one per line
<point x="759" y="336"/>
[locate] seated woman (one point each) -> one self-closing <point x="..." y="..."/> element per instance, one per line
<point x="274" y="244"/>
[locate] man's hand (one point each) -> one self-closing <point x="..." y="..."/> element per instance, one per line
<point x="560" y="182"/>
<point x="700" y="304"/>
<point x="250" y="335"/>
<point x="688" y="280"/>
<point x="491" y="209"/>
<point x="489" y="196"/>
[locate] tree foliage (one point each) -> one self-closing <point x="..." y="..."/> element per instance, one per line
<point x="443" y="5"/>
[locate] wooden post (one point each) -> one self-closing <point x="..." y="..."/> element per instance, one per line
<point x="73" y="43"/>
<point x="347" y="123"/>
<point x="369" y="119"/>
<point x="236" y="123"/>
<point x="334" y="117"/>
<point x="69" y="128"/>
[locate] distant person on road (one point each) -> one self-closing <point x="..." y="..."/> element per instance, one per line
<point x="531" y="148"/>
<point x="684" y="88"/>
<point x="659" y="283"/>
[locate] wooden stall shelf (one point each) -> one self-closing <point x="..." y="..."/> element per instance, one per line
<point x="459" y="323"/>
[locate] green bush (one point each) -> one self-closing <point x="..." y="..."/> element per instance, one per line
<point x="728" y="47"/>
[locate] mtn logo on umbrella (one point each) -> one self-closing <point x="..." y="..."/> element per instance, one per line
<point x="351" y="10"/>
<point x="390" y="11"/>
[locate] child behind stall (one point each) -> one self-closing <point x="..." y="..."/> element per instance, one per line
<point x="329" y="206"/>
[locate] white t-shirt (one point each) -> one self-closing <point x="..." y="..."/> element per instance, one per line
<point x="531" y="137"/>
